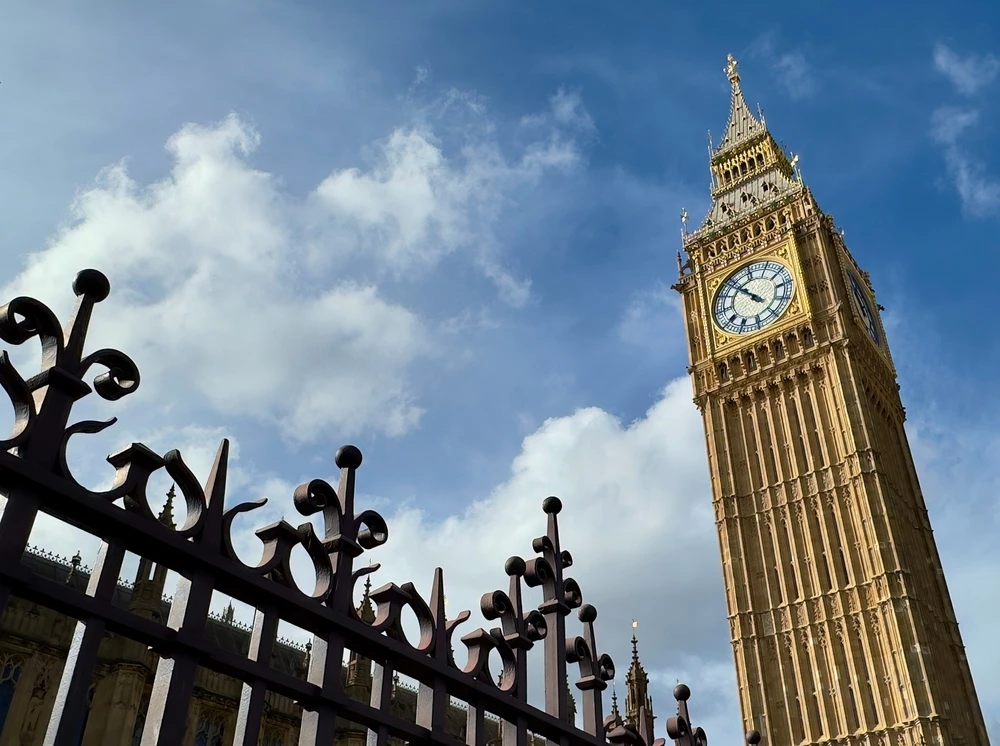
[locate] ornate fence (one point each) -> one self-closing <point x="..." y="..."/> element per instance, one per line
<point x="34" y="477"/>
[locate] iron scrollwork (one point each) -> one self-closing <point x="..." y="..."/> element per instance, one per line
<point x="36" y="450"/>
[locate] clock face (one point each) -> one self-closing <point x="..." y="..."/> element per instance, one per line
<point x="864" y="308"/>
<point x="753" y="297"/>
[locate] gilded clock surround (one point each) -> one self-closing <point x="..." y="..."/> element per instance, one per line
<point x="785" y="253"/>
<point x="841" y="623"/>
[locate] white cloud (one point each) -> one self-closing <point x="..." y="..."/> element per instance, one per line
<point x="204" y="266"/>
<point x="791" y="69"/>
<point x="228" y="285"/>
<point x="415" y="206"/>
<point x="979" y="192"/>
<point x="968" y="74"/>
<point x="948" y="123"/>
<point x="566" y="108"/>
<point x="795" y="75"/>
<point x="651" y="317"/>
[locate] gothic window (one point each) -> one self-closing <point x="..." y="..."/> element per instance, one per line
<point x="807" y="337"/>
<point x="827" y="580"/>
<point x="272" y="738"/>
<point x="211" y="730"/>
<point x="9" y="675"/>
<point x="751" y="361"/>
<point x="854" y="708"/>
<point x="760" y="161"/>
<point x="743" y="168"/>
<point x="729" y="176"/>
<point x="779" y="350"/>
<point x="843" y="566"/>
<point x="140" y="723"/>
<point x="723" y="372"/>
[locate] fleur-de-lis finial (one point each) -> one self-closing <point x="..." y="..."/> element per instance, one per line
<point x="560" y="595"/>
<point x="42" y="404"/>
<point x="596" y="669"/>
<point x="519" y="631"/>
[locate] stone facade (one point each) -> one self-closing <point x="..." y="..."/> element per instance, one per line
<point x="842" y="627"/>
<point x="34" y="644"/>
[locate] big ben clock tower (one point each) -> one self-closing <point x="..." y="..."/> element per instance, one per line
<point x="842" y="627"/>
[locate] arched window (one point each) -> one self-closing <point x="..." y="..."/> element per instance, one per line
<point x="273" y="738"/>
<point x="9" y="674"/>
<point x="760" y="161"/>
<point x="211" y="730"/>
<point x="723" y="372"/>
<point x="140" y="722"/>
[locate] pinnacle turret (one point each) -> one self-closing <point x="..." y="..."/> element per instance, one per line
<point x="743" y="125"/>
<point x="366" y="609"/>
<point x="638" y="703"/>
<point x="616" y="714"/>
<point x="750" y="170"/>
<point x="167" y="514"/>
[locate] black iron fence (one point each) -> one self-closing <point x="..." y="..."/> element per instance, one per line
<point x="34" y="478"/>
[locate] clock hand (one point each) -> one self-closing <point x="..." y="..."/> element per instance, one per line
<point x="753" y="296"/>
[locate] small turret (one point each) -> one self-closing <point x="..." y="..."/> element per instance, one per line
<point x="616" y="720"/>
<point x="638" y="703"/>
<point x="167" y="514"/>
<point x="150" y="578"/>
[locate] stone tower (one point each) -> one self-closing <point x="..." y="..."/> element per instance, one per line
<point x="842" y="626"/>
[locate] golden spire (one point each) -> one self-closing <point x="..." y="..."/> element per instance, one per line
<point x="742" y="125"/>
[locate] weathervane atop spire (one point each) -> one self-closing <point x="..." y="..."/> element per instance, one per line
<point x="731" y="70"/>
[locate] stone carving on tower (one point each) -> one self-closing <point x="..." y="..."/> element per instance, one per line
<point x="841" y="622"/>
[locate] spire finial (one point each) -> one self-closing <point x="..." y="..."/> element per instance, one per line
<point x="167" y="514"/>
<point x="731" y="70"/>
<point x="635" y="642"/>
<point x="366" y="609"/>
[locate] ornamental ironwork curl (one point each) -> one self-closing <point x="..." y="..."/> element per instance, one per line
<point x="34" y="460"/>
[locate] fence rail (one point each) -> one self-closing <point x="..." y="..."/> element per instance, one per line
<point x="34" y="478"/>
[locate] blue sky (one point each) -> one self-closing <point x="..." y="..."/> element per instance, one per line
<point x="446" y="231"/>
